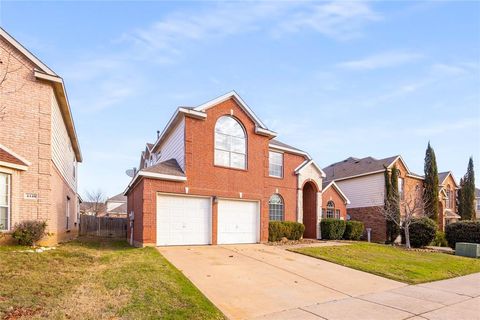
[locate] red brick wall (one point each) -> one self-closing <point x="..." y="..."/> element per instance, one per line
<point x="206" y="179"/>
<point x="332" y="194"/>
<point x="372" y="218"/>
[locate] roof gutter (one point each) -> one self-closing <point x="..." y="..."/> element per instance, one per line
<point x="153" y="175"/>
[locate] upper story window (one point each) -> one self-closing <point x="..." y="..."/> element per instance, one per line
<point x="401" y="192"/>
<point x="275" y="160"/>
<point x="275" y="208"/>
<point x="4" y="201"/>
<point x="447" y="200"/>
<point x="230" y="143"/>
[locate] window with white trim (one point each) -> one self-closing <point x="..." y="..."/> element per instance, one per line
<point x="401" y="192"/>
<point x="4" y="201"/>
<point x="275" y="161"/>
<point x="230" y="143"/>
<point x="330" y="212"/>
<point x="276" y="208"/>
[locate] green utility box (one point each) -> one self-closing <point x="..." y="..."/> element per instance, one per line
<point x="465" y="249"/>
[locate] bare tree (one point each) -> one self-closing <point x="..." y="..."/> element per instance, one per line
<point x="6" y="69"/>
<point x="95" y="201"/>
<point x="411" y="207"/>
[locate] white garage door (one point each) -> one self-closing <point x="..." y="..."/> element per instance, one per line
<point x="238" y="222"/>
<point x="183" y="220"/>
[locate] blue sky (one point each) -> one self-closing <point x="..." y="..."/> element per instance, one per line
<point x="335" y="79"/>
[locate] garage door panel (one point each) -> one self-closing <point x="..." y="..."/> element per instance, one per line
<point x="238" y="222"/>
<point x="183" y="220"/>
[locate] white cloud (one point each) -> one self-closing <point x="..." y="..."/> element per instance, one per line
<point x="340" y="20"/>
<point x="381" y="60"/>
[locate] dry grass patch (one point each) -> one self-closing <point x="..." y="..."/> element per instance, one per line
<point x="91" y="279"/>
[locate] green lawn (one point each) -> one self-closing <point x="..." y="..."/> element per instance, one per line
<point x="89" y="279"/>
<point x="395" y="263"/>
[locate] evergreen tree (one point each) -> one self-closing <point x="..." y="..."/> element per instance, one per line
<point x="460" y="200"/>
<point x="430" y="186"/>
<point x="391" y="199"/>
<point x="467" y="194"/>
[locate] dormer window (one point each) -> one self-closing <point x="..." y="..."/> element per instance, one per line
<point x="230" y="143"/>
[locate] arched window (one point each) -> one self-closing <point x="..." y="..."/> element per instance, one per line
<point x="230" y="143"/>
<point x="275" y="208"/>
<point x="330" y="209"/>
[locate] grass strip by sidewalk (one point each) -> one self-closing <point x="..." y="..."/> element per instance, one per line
<point x="92" y="279"/>
<point x="395" y="263"/>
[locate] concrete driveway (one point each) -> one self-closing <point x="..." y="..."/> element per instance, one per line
<point x="247" y="281"/>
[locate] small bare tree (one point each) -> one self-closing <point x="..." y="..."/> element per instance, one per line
<point x="6" y="70"/>
<point x="95" y="201"/>
<point x="411" y="207"/>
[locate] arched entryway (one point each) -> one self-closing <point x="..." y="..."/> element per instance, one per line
<point x="309" y="193"/>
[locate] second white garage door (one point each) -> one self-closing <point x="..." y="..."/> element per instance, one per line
<point x="238" y="222"/>
<point x="183" y="220"/>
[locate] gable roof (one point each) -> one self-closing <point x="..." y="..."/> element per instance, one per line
<point x="352" y="167"/>
<point x="10" y="159"/>
<point x="119" y="198"/>
<point x="44" y="73"/>
<point x="169" y="167"/>
<point x="332" y="184"/>
<point x="442" y="176"/>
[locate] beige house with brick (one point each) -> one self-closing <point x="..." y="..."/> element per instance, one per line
<point x="39" y="149"/>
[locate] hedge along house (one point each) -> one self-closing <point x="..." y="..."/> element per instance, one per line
<point x="363" y="182"/>
<point x="39" y="149"/>
<point x="216" y="175"/>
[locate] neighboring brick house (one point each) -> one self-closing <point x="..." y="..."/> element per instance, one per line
<point x="447" y="203"/>
<point x="363" y="182"/>
<point x="217" y="176"/>
<point x="334" y="201"/>
<point x="39" y="149"/>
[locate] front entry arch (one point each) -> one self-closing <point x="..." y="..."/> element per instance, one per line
<point x="309" y="194"/>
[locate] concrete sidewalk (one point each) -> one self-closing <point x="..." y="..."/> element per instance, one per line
<point x="457" y="299"/>
<point x="264" y="282"/>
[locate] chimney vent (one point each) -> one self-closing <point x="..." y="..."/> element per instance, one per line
<point x="158" y="134"/>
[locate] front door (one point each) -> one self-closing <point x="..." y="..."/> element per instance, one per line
<point x="310" y="210"/>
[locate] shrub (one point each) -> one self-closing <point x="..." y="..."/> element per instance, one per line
<point x="463" y="231"/>
<point x="440" y="240"/>
<point x="332" y="229"/>
<point x="353" y="230"/>
<point x="288" y="229"/>
<point x="422" y="232"/>
<point x="28" y="233"/>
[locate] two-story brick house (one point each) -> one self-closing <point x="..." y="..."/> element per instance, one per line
<point x="363" y="182"/>
<point x="216" y="175"/>
<point x="447" y="202"/>
<point x="39" y="149"/>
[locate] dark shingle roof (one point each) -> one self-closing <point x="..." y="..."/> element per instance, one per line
<point x="6" y="156"/>
<point x="442" y="176"/>
<point x="355" y="166"/>
<point x="119" y="197"/>
<point x="278" y="143"/>
<point x="120" y="209"/>
<point x="170" y="167"/>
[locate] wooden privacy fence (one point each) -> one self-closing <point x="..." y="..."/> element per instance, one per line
<point x="103" y="226"/>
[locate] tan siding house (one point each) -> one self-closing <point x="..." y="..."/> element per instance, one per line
<point x="39" y="149"/>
